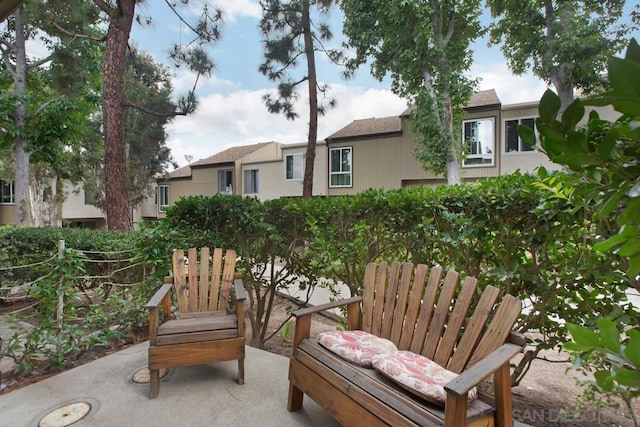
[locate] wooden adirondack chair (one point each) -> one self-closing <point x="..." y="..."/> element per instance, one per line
<point x="204" y="329"/>
<point x="423" y="316"/>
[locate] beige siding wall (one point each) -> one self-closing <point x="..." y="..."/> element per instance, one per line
<point x="74" y="208"/>
<point x="149" y="207"/>
<point x="7" y="214"/>
<point x="272" y="183"/>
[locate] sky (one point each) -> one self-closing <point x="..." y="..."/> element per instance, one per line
<point x="231" y="111"/>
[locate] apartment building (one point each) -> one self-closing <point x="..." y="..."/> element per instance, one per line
<point x="366" y="153"/>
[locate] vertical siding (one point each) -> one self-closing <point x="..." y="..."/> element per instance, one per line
<point x="7" y="214"/>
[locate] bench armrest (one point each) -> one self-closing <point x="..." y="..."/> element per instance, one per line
<point x="481" y="370"/>
<point x="303" y="317"/>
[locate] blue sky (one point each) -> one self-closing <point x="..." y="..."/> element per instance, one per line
<point x="231" y="111"/>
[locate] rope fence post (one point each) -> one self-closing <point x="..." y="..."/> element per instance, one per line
<point x="60" y="311"/>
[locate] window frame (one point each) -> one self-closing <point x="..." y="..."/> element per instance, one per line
<point x="162" y="189"/>
<point x="519" y="120"/>
<point x="12" y="192"/>
<point x="465" y="145"/>
<point x="293" y="167"/>
<point x="228" y="189"/>
<point x="333" y="173"/>
<point x="254" y="178"/>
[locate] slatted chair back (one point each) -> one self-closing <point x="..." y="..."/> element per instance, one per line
<point x="203" y="285"/>
<point x="417" y="310"/>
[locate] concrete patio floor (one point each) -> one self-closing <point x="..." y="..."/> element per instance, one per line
<point x="205" y="395"/>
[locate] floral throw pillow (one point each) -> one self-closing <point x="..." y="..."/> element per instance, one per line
<point x="357" y="347"/>
<point x="417" y="374"/>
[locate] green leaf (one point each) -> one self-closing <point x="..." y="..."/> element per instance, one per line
<point x="549" y="106"/>
<point x="604" y="380"/>
<point x="623" y="75"/>
<point x="628" y="377"/>
<point x="573" y="114"/>
<point x="609" y="205"/>
<point x="527" y="135"/>
<point x="609" y="334"/>
<point x="583" y="336"/>
<point x="632" y="347"/>
<point x="633" y="52"/>
<point x="631" y="248"/>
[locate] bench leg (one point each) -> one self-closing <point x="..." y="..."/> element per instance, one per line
<point x="240" y="371"/>
<point x="154" y="383"/>
<point x="295" y="397"/>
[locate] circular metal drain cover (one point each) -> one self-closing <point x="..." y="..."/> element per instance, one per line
<point x="65" y="415"/>
<point x="142" y="376"/>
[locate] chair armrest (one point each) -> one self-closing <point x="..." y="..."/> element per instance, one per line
<point x="156" y="299"/>
<point x="241" y="293"/>
<point x="323" y="307"/>
<point x="481" y="370"/>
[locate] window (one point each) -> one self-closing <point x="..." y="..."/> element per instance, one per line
<point x="225" y="182"/>
<point x="251" y="181"/>
<point x="340" y="167"/>
<point x="513" y="143"/>
<point x="479" y="141"/>
<point x="163" y="197"/>
<point x="6" y="192"/>
<point x="293" y="167"/>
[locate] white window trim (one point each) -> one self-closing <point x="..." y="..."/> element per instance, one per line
<point x="504" y="137"/>
<point x="474" y="156"/>
<point x="294" y="156"/>
<point x="162" y="207"/>
<point x="350" y="172"/>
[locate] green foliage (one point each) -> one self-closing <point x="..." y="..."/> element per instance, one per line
<point x="603" y="157"/>
<point x="425" y="47"/>
<point x="613" y="361"/>
<point x="563" y="43"/>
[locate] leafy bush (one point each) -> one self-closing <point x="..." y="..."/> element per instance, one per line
<point x="605" y="183"/>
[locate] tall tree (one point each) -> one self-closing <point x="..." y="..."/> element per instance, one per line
<point x="42" y="118"/>
<point x="146" y="83"/>
<point x="290" y="33"/>
<point x="565" y="43"/>
<point x="120" y="15"/>
<point x="424" y="46"/>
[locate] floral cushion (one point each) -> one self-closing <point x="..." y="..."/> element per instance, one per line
<point x="355" y="346"/>
<point x="417" y="374"/>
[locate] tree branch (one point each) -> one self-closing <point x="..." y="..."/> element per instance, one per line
<point x="128" y="103"/>
<point x="173" y="9"/>
<point x="78" y="36"/>
<point x="104" y="6"/>
<point x="7" y="62"/>
<point x="450" y="29"/>
<point x="41" y="108"/>
<point x="40" y="62"/>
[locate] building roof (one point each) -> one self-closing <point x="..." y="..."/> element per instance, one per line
<point x="229" y="155"/>
<point x="483" y="98"/>
<point x="369" y="127"/>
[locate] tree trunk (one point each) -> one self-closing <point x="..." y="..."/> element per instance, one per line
<point x="452" y="167"/>
<point x="564" y="88"/>
<point x="117" y="204"/>
<point x="23" y="156"/>
<point x="307" y="184"/>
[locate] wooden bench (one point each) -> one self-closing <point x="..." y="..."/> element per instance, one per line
<point x="431" y="317"/>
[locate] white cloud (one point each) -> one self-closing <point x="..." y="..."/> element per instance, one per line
<point x="240" y="118"/>
<point x="511" y="89"/>
<point x="232" y="9"/>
